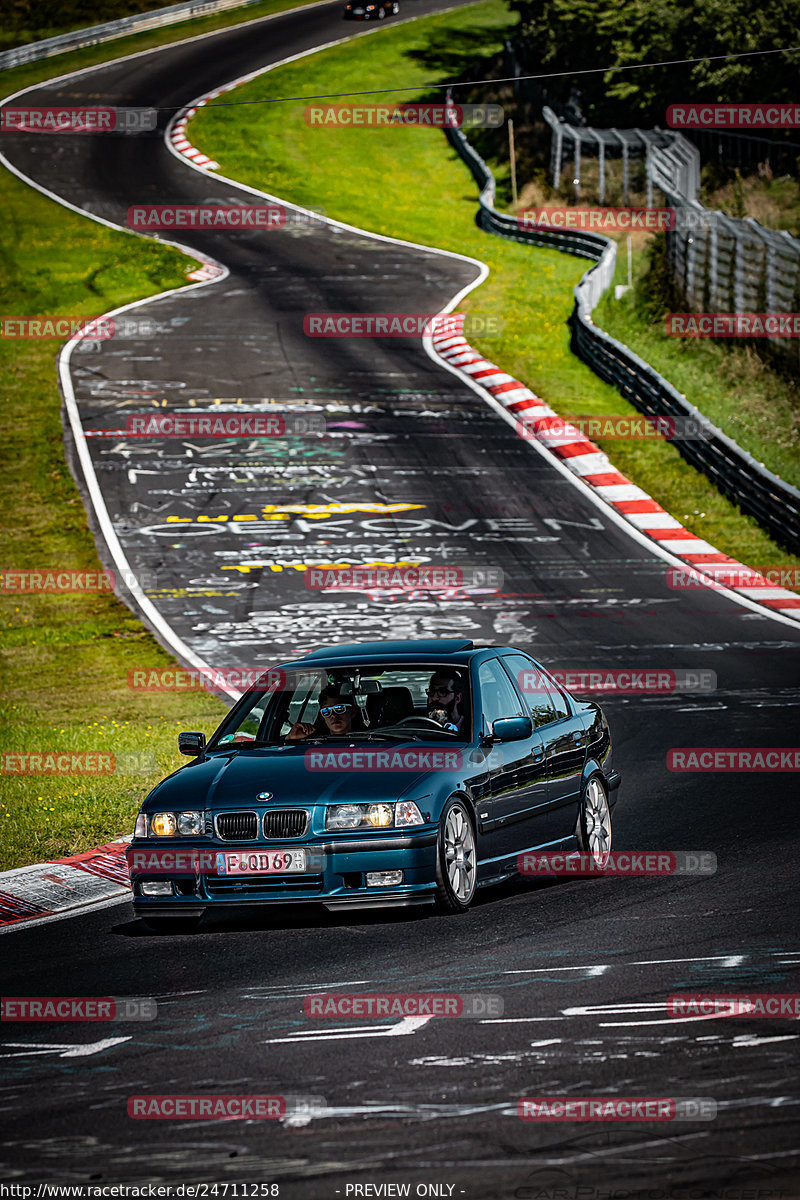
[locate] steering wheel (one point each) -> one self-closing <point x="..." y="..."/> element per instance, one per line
<point x="420" y="721"/>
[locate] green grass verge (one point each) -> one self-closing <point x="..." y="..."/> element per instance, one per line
<point x="407" y="182"/>
<point x="65" y="659"/>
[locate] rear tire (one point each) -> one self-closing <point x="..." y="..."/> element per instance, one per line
<point x="456" y="859"/>
<point x="594" y="822"/>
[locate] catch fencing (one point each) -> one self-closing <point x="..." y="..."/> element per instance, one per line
<point x="718" y="263"/>
<point x="721" y="263"/>
<point x="757" y="491"/>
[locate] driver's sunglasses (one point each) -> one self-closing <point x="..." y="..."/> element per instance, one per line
<point x="440" y="691"/>
<point x="329" y="709"/>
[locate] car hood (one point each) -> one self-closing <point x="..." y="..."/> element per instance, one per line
<point x="232" y="778"/>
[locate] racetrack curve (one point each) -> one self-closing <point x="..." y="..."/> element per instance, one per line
<point x="578" y="591"/>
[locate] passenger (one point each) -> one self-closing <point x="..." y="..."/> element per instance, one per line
<point x="446" y="700"/>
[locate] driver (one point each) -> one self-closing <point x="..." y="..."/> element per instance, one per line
<point x="336" y="711"/>
<point x="446" y="699"/>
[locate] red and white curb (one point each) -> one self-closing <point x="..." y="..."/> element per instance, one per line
<point x="50" y="888"/>
<point x="178" y="139"/>
<point x="176" y="132"/>
<point x="209" y="270"/>
<point x="534" y="418"/>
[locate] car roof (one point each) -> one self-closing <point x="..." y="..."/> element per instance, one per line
<point x="439" y="650"/>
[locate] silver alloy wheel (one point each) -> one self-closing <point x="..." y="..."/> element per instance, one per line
<point x="597" y="820"/>
<point x="459" y="853"/>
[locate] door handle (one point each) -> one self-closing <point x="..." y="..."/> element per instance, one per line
<point x="577" y="735"/>
<point x="537" y="754"/>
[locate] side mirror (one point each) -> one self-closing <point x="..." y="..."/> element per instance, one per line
<point x="512" y="729"/>
<point x="191" y="743"/>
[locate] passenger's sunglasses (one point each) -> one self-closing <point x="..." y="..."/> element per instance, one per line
<point x="440" y="691"/>
<point x="334" y="708"/>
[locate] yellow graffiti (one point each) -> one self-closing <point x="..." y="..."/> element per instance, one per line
<point x="245" y="568"/>
<point x="314" y="512"/>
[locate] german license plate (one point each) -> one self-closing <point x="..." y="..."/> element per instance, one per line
<point x="261" y="862"/>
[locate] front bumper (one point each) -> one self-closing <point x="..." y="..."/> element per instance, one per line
<point x="335" y="874"/>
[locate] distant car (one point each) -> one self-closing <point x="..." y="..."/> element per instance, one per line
<point x="357" y="10"/>
<point x="422" y="773"/>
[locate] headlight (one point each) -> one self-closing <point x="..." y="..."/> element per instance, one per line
<point x="163" y="824"/>
<point x="407" y="813"/>
<point x="372" y="816"/>
<point x="344" y="816"/>
<point x="190" y="822"/>
<point x="140" y="829"/>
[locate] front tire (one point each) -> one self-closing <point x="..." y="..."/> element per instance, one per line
<point x="594" y="823"/>
<point x="456" y="859"/>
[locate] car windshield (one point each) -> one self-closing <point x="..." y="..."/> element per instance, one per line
<point x="369" y="702"/>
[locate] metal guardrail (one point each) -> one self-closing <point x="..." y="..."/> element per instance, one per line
<point x="93" y="35"/>
<point x="757" y="491"/>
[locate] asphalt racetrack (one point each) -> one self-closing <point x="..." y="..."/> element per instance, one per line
<point x="414" y="464"/>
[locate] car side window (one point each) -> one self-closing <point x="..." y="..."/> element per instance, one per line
<point x="559" y="702"/>
<point x="498" y="697"/>
<point x="533" y="685"/>
<point x="303" y="704"/>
